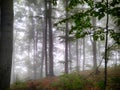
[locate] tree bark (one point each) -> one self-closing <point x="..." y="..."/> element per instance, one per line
<point x="6" y="43"/>
<point x="106" y="46"/>
<point x="66" y="42"/>
<point x="83" y="53"/>
<point x="43" y="48"/>
<point x="94" y="48"/>
<point x="70" y="56"/>
<point x="45" y="39"/>
<point x="51" y="72"/>
<point x="77" y="58"/>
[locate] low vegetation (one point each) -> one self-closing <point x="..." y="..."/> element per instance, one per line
<point x="74" y="81"/>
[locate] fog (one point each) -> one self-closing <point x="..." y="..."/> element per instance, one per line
<point x="29" y="51"/>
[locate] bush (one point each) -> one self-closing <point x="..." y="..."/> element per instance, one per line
<point x="100" y="84"/>
<point x="70" y="82"/>
<point x="114" y="82"/>
<point x="19" y="85"/>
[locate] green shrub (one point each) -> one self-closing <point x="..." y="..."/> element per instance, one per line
<point x="100" y="84"/>
<point x="19" y="85"/>
<point x="70" y="82"/>
<point x="114" y="82"/>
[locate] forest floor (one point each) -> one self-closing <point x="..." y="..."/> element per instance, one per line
<point x="87" y="80"/>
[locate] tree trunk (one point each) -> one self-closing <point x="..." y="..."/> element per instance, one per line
<point x="94" y="46"/>
<point x="35" y="53"/>
<point x="66" y="42"/>
<point x="83" y="53"/>
<point x="70" y="56"/>
<point x="45" y="39"/>
<point x="13" y="74"/>
<point x="94" y="55"/>
<point x="43" y="49"/>
<point x="80" y="54"/>
<point x="6" y="43"/>
<point x="77" y="58"/>
<point x="51" y="72"/>
<point x="106" y="46"/>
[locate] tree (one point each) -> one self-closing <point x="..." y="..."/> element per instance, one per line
<point x="94" y="47"/>
<point x="106" y="47"/>
<point x="43" y="50"/>
<point x="66" y="41"/>
<point x="45" y="37"/>
<point x="6" y="43"/>
<point x="51" y="72"/>
<point x="70" y="55"/>
<point x="77" y="58"/>
<point x="82" y="21"/>
<point x="84" y="54"/>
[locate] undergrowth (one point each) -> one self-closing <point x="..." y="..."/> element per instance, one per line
<point x="73" y="81"/>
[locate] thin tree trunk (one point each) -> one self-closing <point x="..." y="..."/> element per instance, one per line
<point x="106" y="46"/>
<point x="99" y="52"/>
<point x="66" y="42"/>
<point x="94" y="48"/>
<point x="45" y="40"/>
<point x="94" y="55"/>
<point x="83" y="54"/>
<point x="42" y="61"/>
<point x="80" y="54"/>
<point x="13" y="75"/>
<point x="34" y="47"/>
<point x="70" y="56"/>
<point x="43" y="50"/>
<point x="77" y="57"/>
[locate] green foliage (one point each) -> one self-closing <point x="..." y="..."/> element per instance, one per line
<point x="115" y="80"/>
<point x="99" y="34"/>
<point x="74" y="3"/>
<point x="81" y="22"/>
<point x="70" y="82"/>
<point x="101" y="85"/>
<point x="99" y="10"/>
<point x="114" y="2"/>
<point x="115" y="11"/>
<point x="19" y="85"/>
<point x="30" y="85"/>
<point x="54" y="2"/>
<point x="73" y="81"/>
<point x="82" y="19"/>
<point x="115" y="36"/>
